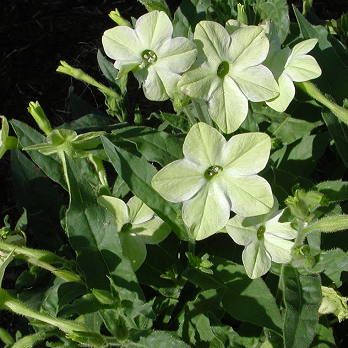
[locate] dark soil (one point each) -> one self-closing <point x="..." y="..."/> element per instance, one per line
<point x="35" y="35"/>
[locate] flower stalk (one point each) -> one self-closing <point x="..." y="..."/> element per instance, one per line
<point x="314" y="92"/>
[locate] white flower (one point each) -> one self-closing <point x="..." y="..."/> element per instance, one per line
<point x="149" y="50"/>
<point x="228" y="72"/>
<point x="215" y="177"/>
<point x="265" y="240"/>
<point x="136" y="225"/>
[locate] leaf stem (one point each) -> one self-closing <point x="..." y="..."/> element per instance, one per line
<point x="314" y="92"/>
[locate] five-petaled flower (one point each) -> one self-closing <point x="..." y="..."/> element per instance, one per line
<point x="215" y="177"/>
<point x="228" y="72"/>
<point x="136" y="225"/>
<point x="149" y="50"/>
<point x="288" y="65"/>
<point x="265" y="240"/>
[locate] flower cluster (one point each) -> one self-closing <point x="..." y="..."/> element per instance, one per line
<point x="226" y="67"/>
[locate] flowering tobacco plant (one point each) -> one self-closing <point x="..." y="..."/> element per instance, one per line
<point x="207" y="226"/>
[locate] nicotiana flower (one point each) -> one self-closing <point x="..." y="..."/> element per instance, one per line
<point x="68" y="141"/>
<point x="215" y="177"/>
<point x="149" y="50"/>
<point x="136" y="225"/>
<point x="228" y="72"/>
<point x="288" y="65"/>
<point x="265" y="239"/>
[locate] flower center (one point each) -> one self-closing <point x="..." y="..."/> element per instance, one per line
<point x="223" y="69"/>
<point x="212" y="171"/>
<point x="126" y="227"/>
<point x="260" y="232"/>
<point x="149" y="56"/>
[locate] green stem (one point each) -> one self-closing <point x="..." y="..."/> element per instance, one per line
<point x="100" y="169"/>
<point x="7" y="302"/>
<point x="314" y="92"/>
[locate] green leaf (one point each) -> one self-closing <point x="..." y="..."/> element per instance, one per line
<point x="156" y="146"/>
<point x="158" y="339"/>
<point x="278" y="12"/>
<point x="334" y="191"/>
<point x="94" y="238"/>
<point x="178" y="121"/>
<point x="324" y="337"/>
<point x="137" y="173"/>
<point x="243" y="298"/>
<point x="302" y="298"/>
<point x="194" y="322"/>
<point x="334" y="264"/>
<point x="152" y="5"/>
<point x="36" y="194"/>
<point x="51" y="164"/>
<point x="301" y="156"/>
<point x="339" y="133"/>
<point x="332" y="81"/>
<point x="188" y="15"/>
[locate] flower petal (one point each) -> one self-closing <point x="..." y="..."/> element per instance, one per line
<point x="177" y="54"/>
<point x="153" y="29"/>
<point x="249" y="47"/>
<point x="256" y="82"/>
<point x="303" y="68"/>
<point x="200" y="83"/>
<point x="278" y="248"/>
<point x="241" y="234"/>
<point x="179" y="180"/>
<point x="122" y="44"/>
<point x="117" y="208"/>
<point x="246" y="154"/>
<point x="256" y="260"/>
<point x="152" y="231"/>
<point x="203" y="145"/>
<point x="213" y="39"/>
<point x="153" y="86"/>
<point x="286" y="94"/>
<point x="207" y="212"/>
<point x="280" y="229"/>
<point x="139" y="212"/>
<point x="250" y="195"/>
<point x="228" y="106"/>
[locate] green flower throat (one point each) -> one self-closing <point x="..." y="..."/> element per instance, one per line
<point x="212" y="171"/>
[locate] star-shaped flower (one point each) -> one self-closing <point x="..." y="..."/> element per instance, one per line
<point x="265" y="239"/>
<point x="290" y="65"/>
<point x="228" y="72"/>
<point x="136" y="225"/>
<point x="149" y="50"/>
<point x="215" y="177"/>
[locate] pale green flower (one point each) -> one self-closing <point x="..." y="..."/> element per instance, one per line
<point x="228" y="72"/>
<point x="290" y="65"/>
<point x="136" y="225"/>
<point x="68" y="141"/>
<point x="149" y="50"/>
<point x="265" y="240"/>
<point x="215" y="177"/>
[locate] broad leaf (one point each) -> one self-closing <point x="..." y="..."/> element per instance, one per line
<point x="156" y="146"/>
<point x="93" y="237"/>
<point x="51" y="164"/>
<point x="243" y="298"/>
<point x="302" y="298"/>
<point x="137" y="173"/>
